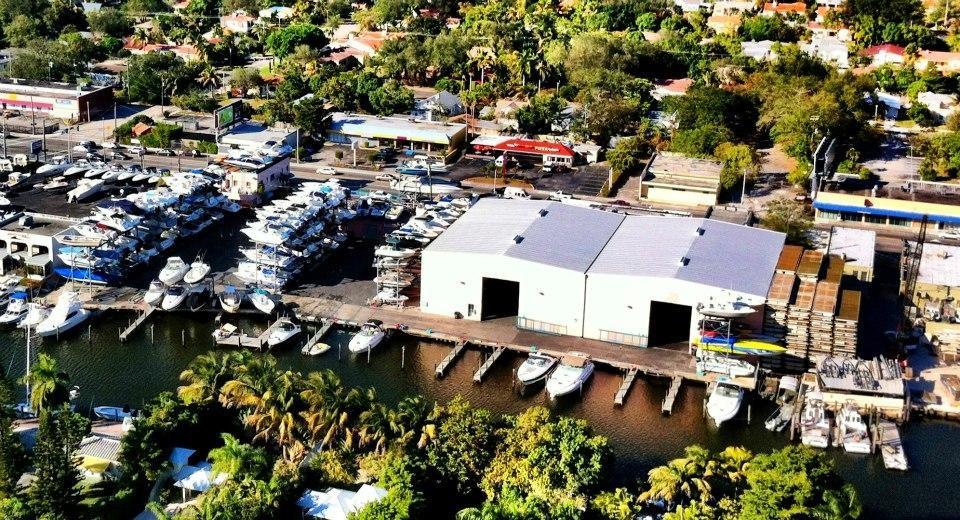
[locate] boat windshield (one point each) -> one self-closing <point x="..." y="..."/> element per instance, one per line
<point x="368" y="330"/>
<point x="538" y="361"/>
<point x="727" y="391"/>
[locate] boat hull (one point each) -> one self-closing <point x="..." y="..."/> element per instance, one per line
<point x="68" y="325"/>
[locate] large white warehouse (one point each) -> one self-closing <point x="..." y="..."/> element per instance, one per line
<point x="575" y="271"/>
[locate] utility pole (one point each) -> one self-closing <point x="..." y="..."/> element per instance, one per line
<point x="297" y="150"/>
<point x="4" y="137"/>
<point x="44" y="145"/>
<point x="114" y="117"/>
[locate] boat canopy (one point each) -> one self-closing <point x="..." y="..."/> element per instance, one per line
<point x="789" y="383"/>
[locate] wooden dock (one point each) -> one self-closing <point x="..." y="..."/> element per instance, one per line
<point x="667" y="407"/>
<point x="887" y="436"/>
<point x="488" y="363"/>
<point x="625" y="387"/>
<point x="243" y="340"/>
<point x="141" y="319"/>
<point x="451" y="358"/>
<point x="318" y="336"/>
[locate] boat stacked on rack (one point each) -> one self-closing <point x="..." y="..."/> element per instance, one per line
<point x="290" y="234"/>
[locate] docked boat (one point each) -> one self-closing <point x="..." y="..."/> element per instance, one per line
<point x="263" y="300"/>
<point x="230" y="299"/>
<point x="724" y="401"/>
<point x="155" y="293"/>
<point x="85" y="189"/>
<point x="36" y="313"/>
<point x="573" y="370"/>
<point x="854" y="435"/>
<point x="712" y="362"/>
<point x="535" y="368"/>
<point x="315" y="350"/>
<point x="736" y="308"/>
<point x="786" y="399"/>
<point x="224" y="332"/>
<point x="198" y="271"/>
<point x="16" y="308"/>
<point x="891" y="448"/>
<point x="282" y="331"/>
<point x="780" y="417"/>
<point x="66" y="314"/>
<point x="174" y="297"/>
<point x="56" y="185"/>
<point x="174" y="270"/>
<point x="368" y="337"/>
<point x="815" y="424"/>
<point x="88" y="275"/>
<point x="114" y="413"/>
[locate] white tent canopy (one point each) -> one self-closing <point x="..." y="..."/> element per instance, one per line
<point x="338" y="504"/>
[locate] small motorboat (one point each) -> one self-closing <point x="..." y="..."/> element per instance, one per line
<point x="231" y="299"/>
<point x="736" y="308"/>
<point x="724" y="401"/>
<point x="780" y="417"/>
<point x="815" y="424"/>
<point x="282" y="331"/>
<point x="315" y="350"/>
<point x="174" y="270"/>
<point x="891" y="448"/>
<point x="263" y="300"/>
<point x="36" y="313"/>
<point x="711" y="362"/>
<point x="16" y="309"/>
<point x="114" y="413"/>
<point x="198" y="271"/>
<point x="85" y="189"/>
<point x="174" y="297"/>
<point x="853" y="431"/>
<point x="155" y="293"/>
<point x="391" y="252"/>
<point x="574" y="369"/>
<point x="370" y="335"/>
<point x="55" y="185"/>
<point x="740" y="346"/>
<point x="535" y="368"/>
<point x="66" y="314"/>
<point x="224" y="332"/>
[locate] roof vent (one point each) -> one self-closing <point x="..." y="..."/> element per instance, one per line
<point x="684" y="261"/>
<point x="700" y="230"/>
<point x="518" y="239"/>
<point x="543" y="212"/>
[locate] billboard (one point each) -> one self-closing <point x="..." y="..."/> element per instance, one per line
<point x="36" y="147"/>
<point x="227" y="115"/>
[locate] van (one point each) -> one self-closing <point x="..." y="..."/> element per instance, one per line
<point x="511" y="192"/>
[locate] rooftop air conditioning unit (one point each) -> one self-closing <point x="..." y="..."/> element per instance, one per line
<point x="684" y="261"/>
<point x="543" y="212"/>
<point x="517" y="239"/>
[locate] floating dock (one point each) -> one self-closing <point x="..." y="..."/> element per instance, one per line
<point x="318" y="336"/>
<point x="887" y="437"/>
<point x="667" y="407"/>
<point x="625" y="387"/>
<point x="451" y="358"/>
<point x="488" y="363"/>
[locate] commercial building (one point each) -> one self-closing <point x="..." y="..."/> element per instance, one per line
<point x="545" y="152"/>
<point x="857" y="248"/>
<point x="254" y="137"/>
<point x="901" y="209"/>
<point x="29" y="242"/>
<point x="250" y="179"/>
<point x="56" y="100"/>
<point x="568" y="270"/>
<point x="432" y="138"/>
<point x="676" y="179"/>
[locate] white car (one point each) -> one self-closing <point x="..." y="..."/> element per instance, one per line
<point x="109" y="145"/>
<point x="385" y="177"/>
<point x="327" y="170"/>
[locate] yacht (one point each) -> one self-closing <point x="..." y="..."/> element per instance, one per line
<point x="853" y="431"/>
<point x="94" y="172"/>
<point x="85" y="189"/>
<point x="16" y="308"/>
<point x="155" y="293"/>
<point x="198" y="271"/>
<point x="174" y="270"/>
<point x="66" y="314"/>
<point x="58" y="165"/>
<point x="231" y="299"/>
<point x="36" y="313"/>
<point x="282" y="331"/>
<point x="815" y="424"/>
<point x="724" y="401"/>
<point x="370" y="335"/>
<point x="263" y="301"/>
<point x="113" y="413"/>
<point x="392" y="252"/>
<point x="77" y="256"/>
<point x="574" y="369"/>
<point x="126" y="175"/>
<point x="55" y="185"/>
<point x="535" y="368"/>
<point x="175" y="296"/>
<point x="80" y="166"/>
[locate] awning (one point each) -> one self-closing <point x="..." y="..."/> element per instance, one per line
<point x="38" y="260"/>
<point x="880" y="212"/>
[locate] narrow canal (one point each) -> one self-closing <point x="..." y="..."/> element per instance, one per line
<point x="113" y="373"/>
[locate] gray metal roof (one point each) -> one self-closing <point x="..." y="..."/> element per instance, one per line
<point x="717" y="254"/>
<point x="720" y="254"/>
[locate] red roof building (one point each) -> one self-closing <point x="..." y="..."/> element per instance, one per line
<point x="885" y="53"/>
<point x="548" y="152"/>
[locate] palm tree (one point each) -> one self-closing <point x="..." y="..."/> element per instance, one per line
<point x="276" y="412"/>
<point x="677" y="481"/>
<point x="208" y="78"/>
<point x="237" y="459"/>
<point x="206" y="374"/>
<point x="251" y="380"/>
<point x="379" y="424"/>
<point x="48" y="385"/>
<point x="416" y="419"/>
<point x="733" y="462"/>
<point x="840" y="504"/>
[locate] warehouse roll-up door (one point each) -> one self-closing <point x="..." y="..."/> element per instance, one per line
<point x="669" y="324"/>
<point x="501" y="298"/>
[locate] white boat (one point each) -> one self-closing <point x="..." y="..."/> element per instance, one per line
<point x="392" y="252"/>
<point x="574" y="369"/>
<point x="713" y="362"/>
<point x="736" y="308"/>
<point x="368" y="337"/>
<point x="56" y="184"/>
<point x="85" y="189"/>
<point x="891" y="448"/>
<point x="535" y="368"/>
<point x="389" y="296"/>
<point x="282" y="331"/>
<point x="780" y="417"/>
<point x="231" y="299"/>
<point x="126" y="175"/>
<point x="113" y="413"/>
<point x="66" y="314"/>
<point x="16" y="308"/>
<point x="56" y="167"/>
<point x="263" y="301"/>
<point x="174" y="270"/>
<point x="267" y="257"/>
<point x="94" y="231"/>
<point x="36" y="313"/>
<point x="174" y="297"/>
<point x="140" y="177"/>
<point x="198" y="271"/>
<point x="77" y="168"/>
<point x="724" y="402"/>
<point x="224" y="332"/>
<point x="155" y="293"/>
<point x="315" y="350"/>
<point x="422" y="186"/>
<point x="815" y="424"/>
<point x="94" y="172"/>
<point x="111" y="175"/>
<point x="853" y="431"/>
<point x="391" y="281"/>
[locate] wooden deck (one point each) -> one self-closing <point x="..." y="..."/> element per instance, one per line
<point x="488" y="363"/>
<point x="666" y="407"/>
<point x="625" y="387"/>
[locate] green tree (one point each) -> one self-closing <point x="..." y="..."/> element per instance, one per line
<point x="22" y="30"/>
<point x="239" y="460"/>
<point x="618" y="504"/>
<point x="739" y="160"/>
<point x="283" y="41"/>
<point x="700" y="141"/>
<point x="243" y="79"/>
<point x="55" y="493"/>
<point x="464" y="448"/>
<point x="711" y="106"/>
<point x="310" y="115"/>
<point x="391" y="98"/>
<point x="158" y="76"/>
<point x="206" y="374"/>
<point x="629" y="154"/>
<point x="11" y="449"/>
<point x="541" y="114"/>
<point x="48" y="384"/>
<point x="109" y="21"/>
<point x="788" y="217"/>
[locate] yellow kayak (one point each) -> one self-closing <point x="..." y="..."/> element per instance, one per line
<point x="746" y="347"/>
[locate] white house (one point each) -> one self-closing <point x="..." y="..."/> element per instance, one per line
<point x="438" y="106"/>
<point x="830" y="49"/>
<point x="759" y="50"/>
<point x="943" y="105"/>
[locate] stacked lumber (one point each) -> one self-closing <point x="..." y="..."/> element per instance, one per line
<point x="846" y="323"/>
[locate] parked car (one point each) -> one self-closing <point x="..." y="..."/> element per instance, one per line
<point x="94" y="156"/>
<point x="195" y="153"/>
<point x="109" y="145"/>
<point x="89" y="145"/>
<point x="166" y="152"/>
<point x="387" y="177"/>
<point x="80" y="149"/>
<point x="138" y="150"/>
<point x="118" y="156"/>
<point x="327" y="170"/>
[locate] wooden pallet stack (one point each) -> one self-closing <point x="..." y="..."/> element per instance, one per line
<point x="821" y="317"/>
<point x="846" y="322"/>
<point x="781" y="292"/>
